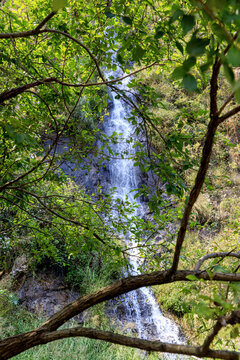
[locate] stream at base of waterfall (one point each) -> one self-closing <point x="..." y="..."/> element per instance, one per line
<point x="138" y="309"/>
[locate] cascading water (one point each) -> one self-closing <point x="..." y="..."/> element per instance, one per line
<point x="141" y="306"/>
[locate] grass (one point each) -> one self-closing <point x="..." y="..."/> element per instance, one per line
<point x="19" y="321"/>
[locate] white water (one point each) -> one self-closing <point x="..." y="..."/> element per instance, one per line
<point x="141" y="305"/>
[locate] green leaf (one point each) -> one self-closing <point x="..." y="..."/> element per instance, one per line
<point x="237" y="95"/>
<point x="178" y="73"/>
<point x="233" y="56"/>
<point x="188" y="22"/>
<point x="189" y="82"/>
<point x="219" y="32"/>
<point x="202" y="309"/>
<point x="192" y="277"/>
<point x="127" y="20"/>
<point x="177" y="13"/>
<point x="210" y="274"/>
<point x="10" y="130"/>
<point x="218" y="268"/>
<point x="109" y="14"/>
<point x="189" y="63"/>
<point x="179" y="46"/>
<point x="216" y="4"/>
<point x="228" y="72"/>
<point x="196" y="46"/>
<point x="119" y="58"/>
<point x="138" y="52"/>
<point x="19" y="138"/>
<point x="158" y="34"/>
<point x="58" y="4"/>
<point x="205" y="67"/>
<point x="234" y="333"/>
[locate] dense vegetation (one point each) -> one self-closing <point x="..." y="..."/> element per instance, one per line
<point x="184" y="98"/>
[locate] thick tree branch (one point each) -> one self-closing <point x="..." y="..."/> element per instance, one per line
<point x="47" y="332"/>
<point x="9" y="94"/>
<point x="128" y="284"/>
<point x="19" y="343"/>
<point x="137" y="343"/>
<point x="205" y="159"/>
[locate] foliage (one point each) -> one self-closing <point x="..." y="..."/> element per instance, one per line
<point x="52" y="56"/>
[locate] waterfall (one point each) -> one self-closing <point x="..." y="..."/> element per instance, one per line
<point x="141" y="306"/>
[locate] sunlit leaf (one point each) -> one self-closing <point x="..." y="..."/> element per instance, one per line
<point x="58" y="4"/>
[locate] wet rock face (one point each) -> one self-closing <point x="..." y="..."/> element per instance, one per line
<point x="123" y="314"/>
<point x="88" y="173"/>
<point x="45" y="294"/>
<point x="85" y="171"/>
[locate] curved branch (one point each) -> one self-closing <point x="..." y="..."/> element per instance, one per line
<point x="233" y="318"/>
<point x="28" y="33"/>
<point x="36" y="337"/>
<point x="9" y="94"/>
<point x="147" y="345"/>
<point x="124" y="286"/>
<point x="214" y="255"/>
<point x="225" y="104"/>
<point x="79" y="43"/>
<point x="112" y="81"/>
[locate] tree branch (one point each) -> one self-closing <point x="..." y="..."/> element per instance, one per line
<point x="9" y="94"/>
<point x="205" y="159"/>
<point x="124" y="286"/>
<point x="19" y="343"/>
<point x="232" y="319"/>
<point x="79" y="43"/>
<point x="47" y="18"/>
<point x="225" y="104"/>
<point x="28" y="33"/>
<point x="146" y="345"/>
<point x="229" y="114"/>
<point x="214" y="255"/>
